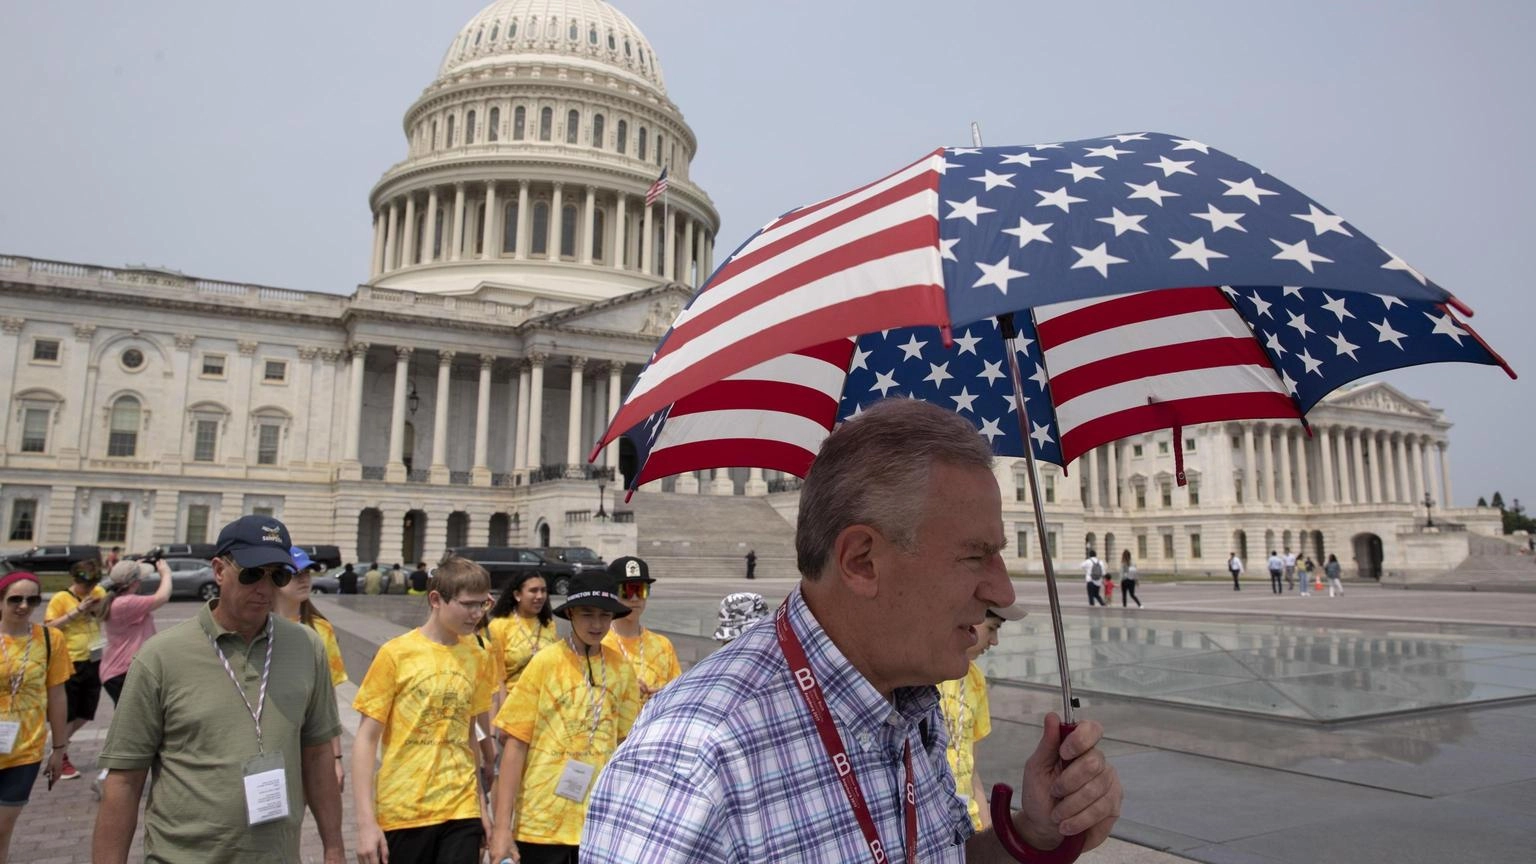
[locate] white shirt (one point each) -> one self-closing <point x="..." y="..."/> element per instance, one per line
<point x="1235" y="563"/>
<point x="1087" y="566"/>
<point x="1290" y="561"/>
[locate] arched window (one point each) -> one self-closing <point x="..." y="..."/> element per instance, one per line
<point x="572" y="125"/>
<point x="493" y="128"/>
<point x="546" y="123"/>
<point x="659" y="139"/>
<point x="509" y="227"/>
<point x="540" y="242"/>
<point x="432" y="145"/>
<point x="512" y="30"/>
<point x="554" y="28"/>
<point x="495" y="29"/>
<point x="568" y="231"/>
<point x="572" y="33"/>
<point x="437" y="239"/>
<point x="592" y="35"/>
<point x="627" y="52"/>
<point x="642" y="141"/>
<point x="421" y="231"/>
<point x="477" y="239"/>
<point x="450" y="132"/>
<point x="623" y="142"/>
<point x="477" y="36"/>
<point x="469" y="127"/>
<point x="612" y="46"/>
<point x="123" y="430"/>
<point x="597" y="131"/>
<point x="519" y="118"/>
<point x="599" y="226"/>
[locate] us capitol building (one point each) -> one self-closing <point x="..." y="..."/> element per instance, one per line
<point x="518" y="283"/>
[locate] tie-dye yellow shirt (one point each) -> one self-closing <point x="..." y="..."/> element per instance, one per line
<point x="24" y="666"/>
<point x="83" y="632"/>
<point x="517" y="639"/>
<point x="426" y="695"/>
<point x="561" y="715"/>
<point x="651" y="654"/>
<point x="332" y="650"/>
<point x="968" y="719"/>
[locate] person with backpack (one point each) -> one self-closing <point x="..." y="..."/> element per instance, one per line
<point x="1332" y="570"/>
<point x="1093" y="573"/>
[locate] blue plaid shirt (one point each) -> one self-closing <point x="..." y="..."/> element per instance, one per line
<point x="725" y="765"/>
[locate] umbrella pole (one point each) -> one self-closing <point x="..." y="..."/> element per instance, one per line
<point x="1010" y="337"/>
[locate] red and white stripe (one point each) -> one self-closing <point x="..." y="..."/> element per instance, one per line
<point x="1136" y="363"/>
<point x="866" y="260"/>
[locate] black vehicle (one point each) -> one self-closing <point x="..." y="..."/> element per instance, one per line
<point x="580" y="557"/>
<point x="53" y="559"/>
<point x="200" y="551"/>
<point x="328" y="556"/>
<point x="506" y="562"/>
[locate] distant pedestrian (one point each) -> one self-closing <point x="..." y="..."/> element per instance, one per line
<point x="1235" y="567"/>
<point x="395" y="576"/>
<point x="112" y="557"/>
<point x="1276" y="572"/>
<point x="1128" y="579"/>
<point x="1332" y="570"/>
<point x="1306" y="577"/>
<point x="418" y="579"/>
<point x="35" y="661"/>
<point x="373" y="581"/>
<point x="1093" y="574"/>
<point x="348" y="580"/>
<point x="1289" y="560"/>
<point x="751" y="563"/>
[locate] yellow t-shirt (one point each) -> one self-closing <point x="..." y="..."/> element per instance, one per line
<point x="30" y="706"/>
<point x="332" y="650"/>
<point x="84" y="632"/>
<point x="517" y="639"/>
<point x="652" y="655"/>
<point x="552" y="710"/>
<point x="426" y="695"/>
<point x="968" y="719"/>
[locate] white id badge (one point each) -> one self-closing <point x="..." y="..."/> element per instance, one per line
<point x="9" y="730"/>
<point x="266" y="789"/>
<point x="575" y="780"/>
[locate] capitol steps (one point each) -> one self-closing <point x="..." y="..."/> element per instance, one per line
<point x="708" y="536"/>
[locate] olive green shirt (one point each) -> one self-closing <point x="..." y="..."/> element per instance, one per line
<point x="181" y="717"/>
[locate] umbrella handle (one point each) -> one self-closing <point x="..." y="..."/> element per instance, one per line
<point x="1002" y="823"/>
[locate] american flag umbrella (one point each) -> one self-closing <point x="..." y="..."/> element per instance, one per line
<point x="1115" y="286"/>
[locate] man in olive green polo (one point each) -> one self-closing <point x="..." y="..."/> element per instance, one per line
<point x="234" y="713"/>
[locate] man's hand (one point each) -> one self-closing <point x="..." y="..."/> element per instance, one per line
<point x="371" y="847"/>
<point x="1068" y="788"/>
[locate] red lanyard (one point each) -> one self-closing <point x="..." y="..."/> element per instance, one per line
<point x="810" y="690"/>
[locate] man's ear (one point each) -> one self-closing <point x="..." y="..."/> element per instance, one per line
<point x="854" y="555"/>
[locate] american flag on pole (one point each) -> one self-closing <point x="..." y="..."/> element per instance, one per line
<point x="1131" y="261"/>
<point x="657" y="188"/>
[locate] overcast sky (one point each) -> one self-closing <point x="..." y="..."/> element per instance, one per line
<point x="239" y="141"/>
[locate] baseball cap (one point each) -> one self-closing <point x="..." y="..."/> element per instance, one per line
<point x="629" y="569"/>
<point x="301" y="560"/>
<point x="256" y="541"/>
<point x="1008" y="613"/>
<point x="124" y="572"/>
<point x="598" y="590"/>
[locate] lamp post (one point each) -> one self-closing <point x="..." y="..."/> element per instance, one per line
<point x="602" y="514"/>
<point x="1429" y="516"/>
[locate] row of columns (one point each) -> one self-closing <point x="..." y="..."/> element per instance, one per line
<point x="395" y="244"/>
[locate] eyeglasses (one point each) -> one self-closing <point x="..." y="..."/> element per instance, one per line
<point x="634" y="590"/>
<point x="280" y="575"/>
<point x="28" y="600"/>
<point x="474" y="605"/>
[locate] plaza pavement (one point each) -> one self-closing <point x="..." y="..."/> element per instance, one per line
<point x="1444" y="784"/>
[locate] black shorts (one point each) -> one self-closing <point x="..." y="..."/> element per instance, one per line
<point x="114" y="686"/>
<point x="545" y="853"/>
<point x="457" y="841"/>
<point x="16" y="783"/>
<point x="83" y="690"/>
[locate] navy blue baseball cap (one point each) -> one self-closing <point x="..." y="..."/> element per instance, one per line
<point x="256" y="541"/>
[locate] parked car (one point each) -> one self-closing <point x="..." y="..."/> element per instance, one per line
<point x="190" y="578"/>
<point x="580" y="557"/>
<point x="53" y="559"/>
<point x="506" y="562"/>
<point x="200" y="551"/>
<point x="329" y="556"/>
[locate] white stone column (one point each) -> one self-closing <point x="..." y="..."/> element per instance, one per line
<point x="1283" y="486"/>
<point x="1091" y="474"/>
<point x="1373" y="454"/>
<point x="440" y="417"/>
<point x="1303" y="472"/>
<point x="589" y="212"/>
<point x="1267" y="459"/>
<point x="457" y="239"/>
<point x="536" y="410"/>
<point x="480" y="475"/>
<point x="394" y="472"/>
<point x="687" y="483"/>
<point x="573" y="427"/>
<point x="520" y="447"/>
<point x="709" y="255"/>
<point x="408" y="247"/>
<point x="355" y="404"/>
<point x="1325" y="462"/>
<point x="596" y="426"/>
<point x="490" y="246"/>
<point x="756" y="485"/>
<point x="621" y="216"/>
<point x="1445" y="473"/>
<point x="615" y="370"/>
<point x="429" y="250"/>
<point x="556" y="223"/>
<point x="375" y="264"/>
<point x="1432" y="475"/>
<point x="1394" y="486"/>
<point x="1400" y="469"/>
<point x="722" y="484"/>
<point x="1112" y="465"/>
<point x="524" y="219"/>
<point x="689" y="259"/>
<point x="1361" y="487"/>
<point x="1250" y="468"/>
<point x="389" y="238"/>
<point x="1416" y="485"/>
<point x="648" y="246"/>
<point x="669" y="247"/>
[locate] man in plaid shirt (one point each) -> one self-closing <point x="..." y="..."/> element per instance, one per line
<point x="899" y="543"/>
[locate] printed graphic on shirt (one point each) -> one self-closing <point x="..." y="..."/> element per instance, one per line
<point x="21" y="670"/>
<point x="967" y="719"/>
<point x="652" y="656"/>
<point x="84" y="632"/>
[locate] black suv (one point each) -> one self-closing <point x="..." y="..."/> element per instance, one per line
<point x="53" y="559"/>
<point x="200" y="551"/>
<point x="580" y="557"/>
<point x="506" y="562"/>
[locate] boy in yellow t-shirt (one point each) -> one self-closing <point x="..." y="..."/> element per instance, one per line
<point x="652" y="654"/>
<point x="968" y="716"/>
<point x="420" y="698"/>
<point x="573" y="704"/>
<point x="77" y="612"/>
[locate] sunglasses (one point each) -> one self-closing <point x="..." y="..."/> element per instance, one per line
<point x="29" y="600"/>
<point x="251" y="575"/>
<point x="634" y="590"/>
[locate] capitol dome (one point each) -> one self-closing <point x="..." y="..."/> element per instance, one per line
<point x="528" y="159"/>
<point x="578" y="31"/>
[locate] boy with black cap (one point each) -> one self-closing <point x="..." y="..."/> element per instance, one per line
<point x="573" y="704"/>
<point x="652" y="654"/>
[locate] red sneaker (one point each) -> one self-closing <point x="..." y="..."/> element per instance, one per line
<point x="69" y="772"/>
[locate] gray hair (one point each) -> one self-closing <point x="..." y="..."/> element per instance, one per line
<point x="872" y="471"/>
